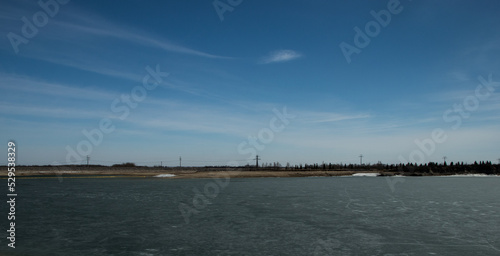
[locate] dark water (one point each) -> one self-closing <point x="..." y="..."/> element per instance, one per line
<point x="264" y="216"/>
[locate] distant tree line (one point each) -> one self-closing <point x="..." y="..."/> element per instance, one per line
<point x="485" y="167"/>
<point x="124" y="165"/>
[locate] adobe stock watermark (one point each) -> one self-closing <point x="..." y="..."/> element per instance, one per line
<point x="454" y="115"/>
<point x="265" y="135"/>
<point x="120" y="106"/>
<point x="30" y="27"/>
<point x="250" y="147"/>
<point x="372" y="29"/>
<point x="222" y="7"/>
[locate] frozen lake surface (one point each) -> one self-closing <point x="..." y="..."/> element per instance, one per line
<point x="258" y="216"/>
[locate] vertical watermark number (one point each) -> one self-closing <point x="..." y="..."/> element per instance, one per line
<point x="11" y="194"/>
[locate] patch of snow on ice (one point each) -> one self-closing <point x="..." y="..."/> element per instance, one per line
<point x="362" y="174"/>
<point x="167" y="175"/>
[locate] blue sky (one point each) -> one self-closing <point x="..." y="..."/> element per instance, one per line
<point x="227" y="78"/>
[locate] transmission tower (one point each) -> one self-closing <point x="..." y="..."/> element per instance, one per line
<point x="256" y="161"/>
<point x="88" y="158"/>
<point x="360" y="159"/>
<point x="180" y="161"/>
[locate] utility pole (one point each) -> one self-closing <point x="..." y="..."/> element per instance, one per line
<point x="257" y="161"/>
<point x="180" y="161"/>
<point x="161" y="163"/>
<point x="360" y="159"/>
<point x="498" y="160"/>
<point x="444" y="158"/>
<point x="88" y="158"/>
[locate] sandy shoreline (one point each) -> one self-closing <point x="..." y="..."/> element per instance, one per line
<point x="180" y="174"/>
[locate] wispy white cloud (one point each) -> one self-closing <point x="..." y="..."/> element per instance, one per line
<point x="54" y="112"/>
<point x="326" y="117"/>
<point x="91" y="66"/>
<point x="97" y="26"/>
<point x="38" y="87"/>
<point x="459" y="95"/>
<point x="82" y="37"/>
<point x="202" y="119"/>
<point x="281" y="56"/>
